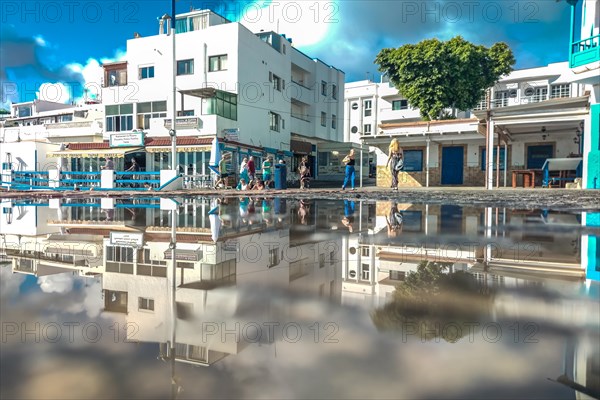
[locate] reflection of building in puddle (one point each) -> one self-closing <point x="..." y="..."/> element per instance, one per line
<point x="40" y="248"/>
<point x="581" y="368"/>
<point x="500" y="246"/>
<point x="213" y="270"/>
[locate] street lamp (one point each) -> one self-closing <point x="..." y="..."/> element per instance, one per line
<point x="172" y="132"/>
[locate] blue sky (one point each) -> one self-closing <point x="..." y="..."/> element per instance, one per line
<point x="47" y="42"/>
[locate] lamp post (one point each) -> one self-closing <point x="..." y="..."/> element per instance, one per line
<point x="173" y="132"/>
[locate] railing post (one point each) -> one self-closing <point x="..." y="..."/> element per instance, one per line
<point x="107" y="179"/>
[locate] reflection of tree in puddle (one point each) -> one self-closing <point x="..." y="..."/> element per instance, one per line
<point x="432" y="303"/>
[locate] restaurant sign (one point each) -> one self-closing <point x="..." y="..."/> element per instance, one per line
<point x="232" y="134"/>
<point x="127" y="239"/>
<point x="183" y="123"/>
<point x="130" y="139"/>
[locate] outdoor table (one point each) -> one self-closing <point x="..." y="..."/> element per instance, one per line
<point x="528" y="177"/>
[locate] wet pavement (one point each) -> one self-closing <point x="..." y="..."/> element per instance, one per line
<point x="323" y="295"/>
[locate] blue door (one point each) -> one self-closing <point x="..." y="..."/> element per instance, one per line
<point x="451" y="220"/>
<point x="452" y="165"/>
<point x="537" y="155"/>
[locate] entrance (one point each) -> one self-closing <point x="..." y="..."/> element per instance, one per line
<point x="452" y="165"/>
<point x="537" y="155"/>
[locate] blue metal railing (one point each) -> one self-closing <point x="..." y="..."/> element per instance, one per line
<point x="81" y="180"/>
<point x="585" y="44"/>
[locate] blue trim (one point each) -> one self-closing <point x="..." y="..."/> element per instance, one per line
<point x="168" y="183"/>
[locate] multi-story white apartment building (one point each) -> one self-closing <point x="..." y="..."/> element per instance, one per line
<point x="254" y="91"/>
<point x="36" y="129"/>
<point x="538" y="113"/>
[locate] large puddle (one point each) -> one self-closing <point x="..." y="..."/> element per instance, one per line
<point x="282" y="298"/>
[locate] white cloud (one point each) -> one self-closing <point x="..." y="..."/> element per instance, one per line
<point x="57" y="92"/>
<point x="307" y="23"/>
<point x="58" y="283"/>
<point x="39" y="39"/>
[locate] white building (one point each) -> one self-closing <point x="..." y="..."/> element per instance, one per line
<point x="538" y="113"/>
<point x="254" y="91"/>
<point x="36" y="129"/>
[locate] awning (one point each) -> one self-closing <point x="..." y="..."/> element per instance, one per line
<point x="102" y="153"/>
<point x="180" y="149"/>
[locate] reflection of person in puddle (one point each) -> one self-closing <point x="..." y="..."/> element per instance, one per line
<point x="348" y="219"/>
<point x="303" y="212"/>
<point x="394" y="220"/>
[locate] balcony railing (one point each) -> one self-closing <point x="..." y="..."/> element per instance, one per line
<point x="585" y="51"/>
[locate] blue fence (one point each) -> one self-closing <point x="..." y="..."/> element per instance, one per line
<point x="80" y="180"/>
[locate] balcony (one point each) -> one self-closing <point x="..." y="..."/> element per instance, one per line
<point x="585" y="51"/>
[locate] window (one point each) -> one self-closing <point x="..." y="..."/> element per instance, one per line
<point x="557" y="91"/>
<point x="276" y="82"/>
<point x="275" y="120"/>
<point x="323" y="119"/>
<point x="223" y="104"/>
<point x="365" y="273"/>
<point x="186" y="113"/>
<point x="146" y="72"/>
<point x="119" y="117"/>
<point x="23" y="112"/>
<point x="331" y="257"/>
<point x="334" y="93"/>
<point x="399" y="105"/>
<point x="333" y="122"/>
<point x="367" y="129"/>
<point x="217" y="63"/>
<point x="413" y="160"/>
<point x="119" y="254"/>
<point x="185" y="67"/>
<point x="367" y="107"/>
<point x="273" y="257"/>
<point x="321" y="290"/>
<point x="145" y="304"/>
<point x="66" y="118"/>
<point x="483" y="155"/>
<point x="365" y="251"/>
<point x="536" y="94"/>
<point x="501" y="98"/>
<point x="397" y="275"/>
<point x="321" y="260"/>
<point x="324" y="88"/>
<point x="115" y="77"/>
<point x="146" y="111"/>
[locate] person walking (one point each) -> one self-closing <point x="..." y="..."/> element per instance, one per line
<point x="244" y="170"/>
<point x="109" y="165"/>
<point x="350" y="172"/>
<point x="267" y="167"/>
<point x="395" y="161"/>
<point x="133" y="168"/>
<point x="223" y="175"/>
<point x="304" y="172"/>
<point x="251" y="170"/>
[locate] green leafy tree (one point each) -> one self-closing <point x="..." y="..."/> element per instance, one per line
<point x="434" y="303"/>
<point x="435" y="75"/>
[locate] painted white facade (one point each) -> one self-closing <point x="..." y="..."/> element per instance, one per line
<point x="533" y="107"/>
<point x="264" y="72"/>
<point x="41" y="120"/>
